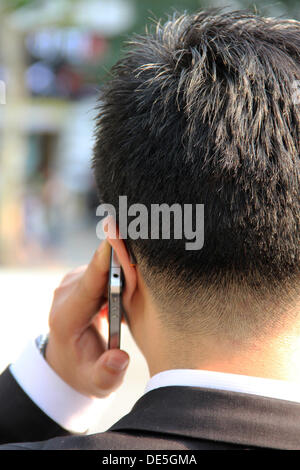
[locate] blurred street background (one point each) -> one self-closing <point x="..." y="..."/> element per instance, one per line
<point x="54" y="57"/>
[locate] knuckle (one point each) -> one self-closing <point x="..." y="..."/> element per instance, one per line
<point x="57" y="291"/>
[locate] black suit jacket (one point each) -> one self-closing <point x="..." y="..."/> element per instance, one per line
<point x="168" y="418"/>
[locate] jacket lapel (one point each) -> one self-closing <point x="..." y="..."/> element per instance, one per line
<point x="216" y="415"/>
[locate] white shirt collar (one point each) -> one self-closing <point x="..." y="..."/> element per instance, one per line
<point x="270" y="388"/>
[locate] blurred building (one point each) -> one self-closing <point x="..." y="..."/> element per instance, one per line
<point x="50" y="54"/>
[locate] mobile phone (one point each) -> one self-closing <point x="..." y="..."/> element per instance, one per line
<point x="115" y="286"/>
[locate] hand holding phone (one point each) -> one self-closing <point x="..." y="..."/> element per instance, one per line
<point x="83" y="361"/>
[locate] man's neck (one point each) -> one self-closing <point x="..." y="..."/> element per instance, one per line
<point x="277" y="358"/>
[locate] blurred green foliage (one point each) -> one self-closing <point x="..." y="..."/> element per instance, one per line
<point x="7" y="5"/>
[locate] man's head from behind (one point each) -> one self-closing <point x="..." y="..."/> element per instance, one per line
<point x="203" y="110"/>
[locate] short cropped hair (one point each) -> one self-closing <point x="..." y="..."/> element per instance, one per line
<point x="203" y="109"/>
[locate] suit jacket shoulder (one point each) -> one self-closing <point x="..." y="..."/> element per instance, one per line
<point x="169" y="418"/>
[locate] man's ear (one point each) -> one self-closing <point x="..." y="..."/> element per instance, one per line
<point x="128" y="268"/>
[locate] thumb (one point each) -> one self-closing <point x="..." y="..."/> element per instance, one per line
<point x="109" y="371"/>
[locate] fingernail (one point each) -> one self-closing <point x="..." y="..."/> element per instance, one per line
<point x="116" y="363"/>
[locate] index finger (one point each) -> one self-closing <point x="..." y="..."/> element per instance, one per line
<point x="95" y="276"/>
<point x="84" y="301"/>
